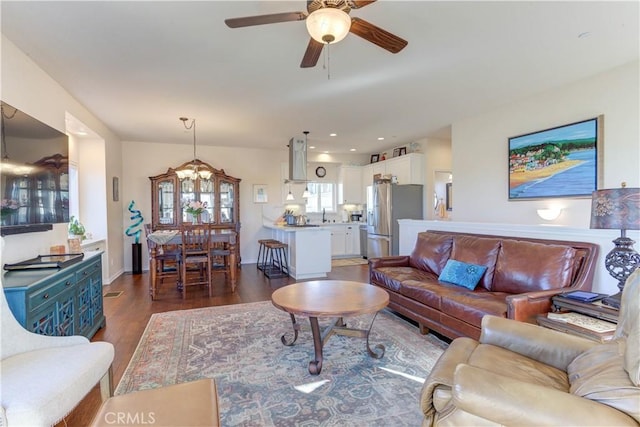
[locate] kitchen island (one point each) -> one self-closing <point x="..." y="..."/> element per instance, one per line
<point x="309" y="249"/>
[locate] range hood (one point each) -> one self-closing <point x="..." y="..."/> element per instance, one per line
<point x="297" y="160"/>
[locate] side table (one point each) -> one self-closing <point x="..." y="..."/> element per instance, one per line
<point x="594" y="309"/>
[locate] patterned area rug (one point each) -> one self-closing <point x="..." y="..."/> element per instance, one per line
<point x="261" y="382"/>
<point x="342" y="262"/>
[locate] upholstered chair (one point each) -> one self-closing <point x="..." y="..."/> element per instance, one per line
<point x="520" y="374"/>
<point x="42" y="378"/>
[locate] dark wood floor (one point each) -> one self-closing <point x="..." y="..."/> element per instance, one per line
<point x="127" y="315"/>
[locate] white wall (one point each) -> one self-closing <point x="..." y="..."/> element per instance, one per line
<point x="480" y="152"/>
<point x="27" y="87"/>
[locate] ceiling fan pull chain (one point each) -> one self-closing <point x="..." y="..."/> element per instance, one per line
<point x="328" y="61"/>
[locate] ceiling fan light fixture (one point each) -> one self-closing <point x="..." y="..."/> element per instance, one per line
<point x="328" y="25"/>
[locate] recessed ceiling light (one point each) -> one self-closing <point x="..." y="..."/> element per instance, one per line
<point x="312" y="147"/>
<point x="333" y="134"/>
<point x="352" y="149"/>
<point x="381" y="138"/>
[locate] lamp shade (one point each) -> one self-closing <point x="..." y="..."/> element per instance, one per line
<point x="328" y="25"/>
<point x="616" y="208"/>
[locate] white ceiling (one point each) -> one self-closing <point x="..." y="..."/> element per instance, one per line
<point x="139" y="66"/>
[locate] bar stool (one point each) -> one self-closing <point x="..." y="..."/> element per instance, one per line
<point x="262" y="253"/>
<point x="277" y="259"/>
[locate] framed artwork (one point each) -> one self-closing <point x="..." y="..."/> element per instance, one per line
<point x="403" y="151"/>
<point x="564" y="161"/>
<point x="260" y="193"/>
<point x="396" y="152"/>
<point x="116" y="189"/>
<point x="375" y="158"/>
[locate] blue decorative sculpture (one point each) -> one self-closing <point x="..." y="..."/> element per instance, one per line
<point x="134" y="229"/>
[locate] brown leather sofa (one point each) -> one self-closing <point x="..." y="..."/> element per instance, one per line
<point x="521" y="277"/>
<point x="524" y="375"/>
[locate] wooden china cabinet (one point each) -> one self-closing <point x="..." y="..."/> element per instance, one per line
<point x="221" y="193"/>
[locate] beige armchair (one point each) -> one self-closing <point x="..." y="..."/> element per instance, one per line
<point x="520" y="374"/>
<point x="42" y="378"/>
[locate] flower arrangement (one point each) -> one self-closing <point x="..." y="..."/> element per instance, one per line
<point x="9" y="207"/>
<point x="195" y="207"/>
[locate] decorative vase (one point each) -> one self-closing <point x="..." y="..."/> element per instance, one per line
<point x="194" y="218"/>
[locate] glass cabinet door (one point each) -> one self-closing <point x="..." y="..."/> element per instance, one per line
<point x="207" y="195"/>
<point x="227" y="198"/>
<point x="187" y="194"/>
<point x="166" y="202"/>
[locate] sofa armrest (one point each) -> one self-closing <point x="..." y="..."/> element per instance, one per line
<point x="389" y="261"/>
<point x="535" y="342"/>
<point x="524" y="307"/>
<point x="508" y="401"/>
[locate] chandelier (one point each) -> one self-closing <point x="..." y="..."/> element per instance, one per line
<point x="191" y="170"/>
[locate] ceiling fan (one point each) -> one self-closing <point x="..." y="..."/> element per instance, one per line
<point x="328" y="21"/>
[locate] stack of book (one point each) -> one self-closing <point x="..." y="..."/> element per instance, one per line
<point x="579" y="324"/>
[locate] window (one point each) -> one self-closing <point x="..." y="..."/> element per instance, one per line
<point x="321" y="196"/>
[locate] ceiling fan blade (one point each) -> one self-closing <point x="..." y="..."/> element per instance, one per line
<point x="312" y="54"/>
<point x="377" y="35"/>
<point x="273" y="18"/>
<point x="357" y="4"/>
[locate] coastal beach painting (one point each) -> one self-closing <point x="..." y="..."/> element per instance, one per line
<point x="558" y="162"/>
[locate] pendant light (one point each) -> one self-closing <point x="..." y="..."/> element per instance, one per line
<point x="191" y="170"/>
<point x="290" y="196"/>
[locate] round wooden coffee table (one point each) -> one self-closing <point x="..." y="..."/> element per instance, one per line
<point x="330" y="298"/>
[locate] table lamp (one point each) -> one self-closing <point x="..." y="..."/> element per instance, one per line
<point x="618" y="208"/>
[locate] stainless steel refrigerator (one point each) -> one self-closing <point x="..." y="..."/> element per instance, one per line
<point x="390" y="202"/>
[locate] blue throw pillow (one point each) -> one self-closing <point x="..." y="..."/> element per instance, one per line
<point x="462" y="274"/>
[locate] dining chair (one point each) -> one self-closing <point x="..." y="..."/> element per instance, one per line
<point x="220" y="255"/>
<point x="167" y="262"/>
<point x="195" y="259"/>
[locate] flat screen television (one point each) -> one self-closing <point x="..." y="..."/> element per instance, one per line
<point x="34" y="174"/>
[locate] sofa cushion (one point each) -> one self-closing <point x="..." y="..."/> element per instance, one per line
<point x="518" y="267"/>
<point x="391" y="277"/>
<point x="431" y="252"/>
<point x="462" y="274"/>
<point x="598" y="374"/>
<point x="477" y="250"/>
<point x="427" y="292"/>
<point x="471" y="307"/>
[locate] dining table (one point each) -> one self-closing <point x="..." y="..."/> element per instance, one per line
<point x="160" y="238"/>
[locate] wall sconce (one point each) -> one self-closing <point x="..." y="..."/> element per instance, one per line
<point x="549" y="214"/>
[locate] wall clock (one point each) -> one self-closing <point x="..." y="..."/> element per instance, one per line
<point x="321" y="172"/>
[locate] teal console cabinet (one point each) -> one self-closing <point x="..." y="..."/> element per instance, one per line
<point x="65" y="301"/>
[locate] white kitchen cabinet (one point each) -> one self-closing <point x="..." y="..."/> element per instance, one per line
<point x="338" y="246"/>
<point x="408" y="169"/>
<point x="352" y="240"/>
<point x="350" y="185"/>
<point x="345" y="240"/>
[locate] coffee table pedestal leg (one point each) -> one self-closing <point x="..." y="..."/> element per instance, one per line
<point x="321" y="338"/>
<point x="296" y="328"/>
